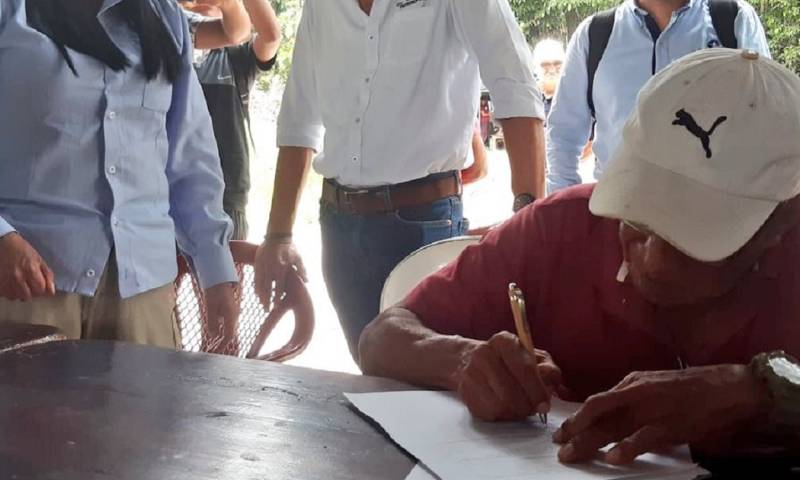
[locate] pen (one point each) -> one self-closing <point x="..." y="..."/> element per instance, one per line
<point x="521" y="323"/>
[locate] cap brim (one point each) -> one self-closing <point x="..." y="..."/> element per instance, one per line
<point x="707" y="224"/>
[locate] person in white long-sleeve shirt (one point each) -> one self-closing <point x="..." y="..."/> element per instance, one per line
<point x="384" y="92"/>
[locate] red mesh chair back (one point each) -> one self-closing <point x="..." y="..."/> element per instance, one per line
<point x="255" y="324"/>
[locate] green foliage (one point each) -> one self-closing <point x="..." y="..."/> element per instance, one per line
<point x="559" y="18"/>
<point x="781" y="20"/>
<point x="555" y="18"/>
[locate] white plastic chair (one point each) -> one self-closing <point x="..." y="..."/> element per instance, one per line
<point x="421" y="263"/>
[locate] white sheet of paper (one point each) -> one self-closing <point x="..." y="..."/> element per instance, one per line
<point x="438" y="430"/>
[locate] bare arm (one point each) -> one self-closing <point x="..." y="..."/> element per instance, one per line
<point x="232" y="29"/>
<point x="524" y="137"/>
<point x="479" y="167"/>
<point x="268" y="30"/>
<point x="398" y="345"/>
<point x="290" y="178"/>
<point x="496" y="379"/>
<point x="277" y="254"/>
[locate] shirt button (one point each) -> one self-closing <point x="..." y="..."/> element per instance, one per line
<point x="355" y="158"/>
<point x="366" y="80"/>
<point x="358" y="120"/>
<point x="112" y="170"/>
<point x="114" y="221"/>
<point x="112" y="115"/>
<point x="90" y="273"/>
<point x="372" y="37"/>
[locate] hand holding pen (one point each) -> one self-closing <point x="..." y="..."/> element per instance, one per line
<point x="499" y="379"/>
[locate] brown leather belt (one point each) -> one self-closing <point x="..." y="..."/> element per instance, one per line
<point x="362" y="201"/>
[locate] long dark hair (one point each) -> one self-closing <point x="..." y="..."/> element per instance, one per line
<point x="74" y="24"/>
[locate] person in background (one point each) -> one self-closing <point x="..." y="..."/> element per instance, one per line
<point x="643" y="37"/>
<point x="666" y="296"/>
<point x="385" y="93"/>
<point x="548" y="56"/>
<point x="227" y="75"/>
<point x="108" y="160"/>
<point x="480" y="165"/>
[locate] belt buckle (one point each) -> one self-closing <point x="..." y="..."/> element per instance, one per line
<point x="346" y="198"/>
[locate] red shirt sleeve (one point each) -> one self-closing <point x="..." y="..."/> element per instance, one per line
<point x="469" y="297"/>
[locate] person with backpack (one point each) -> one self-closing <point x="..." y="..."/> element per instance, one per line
<point x="611" y="56"/>
<point x="227" y="72"/>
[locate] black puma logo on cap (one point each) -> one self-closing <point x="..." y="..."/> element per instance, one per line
<point x="685" y="119"/>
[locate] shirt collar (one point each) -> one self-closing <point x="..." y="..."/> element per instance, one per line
<point x="107" y="5"/>
<point x="635" y="8"/>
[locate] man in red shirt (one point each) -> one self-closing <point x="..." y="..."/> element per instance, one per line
<point x="663" y="295"/>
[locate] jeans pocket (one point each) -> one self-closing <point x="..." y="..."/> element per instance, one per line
<point x="435" y="221"/>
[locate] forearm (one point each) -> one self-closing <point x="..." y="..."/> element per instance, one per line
<point x="524" y="138"/>
<point x="235" y="22"/>
<point x="268" y="30"/>
<point x="479" y="168"/>
<point x="232" y="29"/>
<point x="399" y="346"/>
<point x="290" y="177"/>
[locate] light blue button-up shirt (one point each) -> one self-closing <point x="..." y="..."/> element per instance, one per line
<point x="108" y="160"/>
<point x="626" y="66"/>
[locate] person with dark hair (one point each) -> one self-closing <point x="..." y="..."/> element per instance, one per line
<point x="108" y="160"/>
<point x="227" y="75"/>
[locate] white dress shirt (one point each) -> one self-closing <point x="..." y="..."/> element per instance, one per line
<point x="392" y="96"/>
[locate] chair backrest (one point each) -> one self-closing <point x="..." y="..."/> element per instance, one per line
<point x="255" y="324"/>
<point x="419" y="264"/>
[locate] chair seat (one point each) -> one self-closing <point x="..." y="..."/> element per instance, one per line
<point x="255" y="324"/>
<point x="419" y="264"/>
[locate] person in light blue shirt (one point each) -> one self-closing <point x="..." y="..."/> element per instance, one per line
<point x="108" y="159"/>
<point x="647" y="36"/>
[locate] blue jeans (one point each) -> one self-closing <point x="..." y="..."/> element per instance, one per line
<point x="359" y="252"/>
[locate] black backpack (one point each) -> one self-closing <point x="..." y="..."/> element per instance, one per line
<point x="723" y="16"/>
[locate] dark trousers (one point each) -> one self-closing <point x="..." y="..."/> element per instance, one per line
<point x="359" y="252"/>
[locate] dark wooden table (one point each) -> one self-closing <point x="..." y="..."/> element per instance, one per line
<point x="17" y="335"/>
<point x="102" y="410"/>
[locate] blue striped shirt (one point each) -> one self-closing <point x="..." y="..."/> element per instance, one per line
<point x="627" y="64"/>
<point x="107" y="160"/>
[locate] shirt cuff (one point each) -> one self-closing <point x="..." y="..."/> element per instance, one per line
<point x="5" y="228"/>
<point x="214" y="265"/>
<point x="512" y="99"/>
<point x="298" y="139"/>
<point x="264" y="66"/>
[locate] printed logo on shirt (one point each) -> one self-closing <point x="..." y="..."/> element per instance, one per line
<point x="411" y="3"/>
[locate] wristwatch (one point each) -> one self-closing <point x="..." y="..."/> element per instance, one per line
<point x="522" y="200"/>
<point x="780" y="374"/>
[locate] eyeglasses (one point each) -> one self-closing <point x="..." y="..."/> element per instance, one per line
<point x="551" y="65"/>
<point x="637" y="227"/>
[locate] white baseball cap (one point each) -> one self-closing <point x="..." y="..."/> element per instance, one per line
<point x="711" y="149"/>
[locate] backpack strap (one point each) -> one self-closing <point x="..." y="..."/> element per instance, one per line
<point x="723" y="16"/>
<point x="600" y="27"/>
